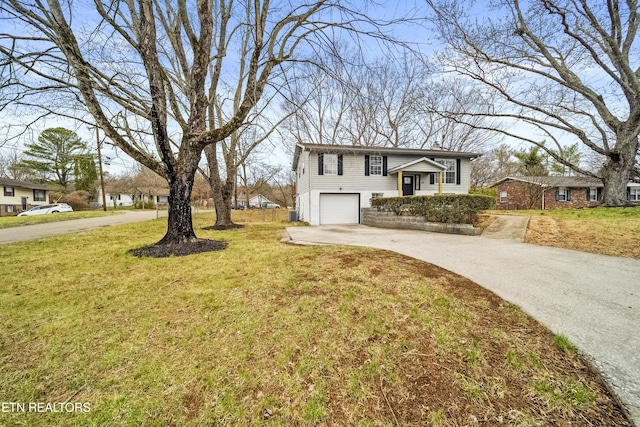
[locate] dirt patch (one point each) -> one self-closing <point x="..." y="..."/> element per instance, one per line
<point x="182" y="249"/>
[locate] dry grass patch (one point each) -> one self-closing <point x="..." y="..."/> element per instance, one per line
<point x="265" y="333"/>
<point x="606" y="231"/>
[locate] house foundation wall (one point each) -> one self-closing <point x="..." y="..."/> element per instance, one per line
<point x="372" y="217"/>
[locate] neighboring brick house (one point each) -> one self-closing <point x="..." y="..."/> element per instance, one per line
<point x="552" y="192"/>
<point x="17" y="196"/>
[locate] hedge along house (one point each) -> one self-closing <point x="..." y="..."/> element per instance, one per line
<point x="553" y="192"/>
<point x="333" y="182"/>
<point x="17" y="196"/>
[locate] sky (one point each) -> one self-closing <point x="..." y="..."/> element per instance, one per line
<point x="116" y="162"/>
<point x="276" y="153"/>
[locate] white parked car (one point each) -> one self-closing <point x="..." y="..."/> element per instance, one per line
<point x="47" y="209"/>
<point x="269" y="205"/>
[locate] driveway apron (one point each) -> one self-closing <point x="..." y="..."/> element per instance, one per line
<point x="592" y="299"/>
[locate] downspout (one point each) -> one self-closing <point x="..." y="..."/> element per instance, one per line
<point x="440" y="182"/>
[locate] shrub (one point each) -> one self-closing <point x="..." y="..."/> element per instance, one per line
<point x="148" y="204"/>
<point x="78" y="200"/>
<point x="485" y="191"/>
<point x="446" y="208"/>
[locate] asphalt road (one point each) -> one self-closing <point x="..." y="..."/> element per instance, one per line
<point x="29" y="232"/>
<point x="592" y="299"/>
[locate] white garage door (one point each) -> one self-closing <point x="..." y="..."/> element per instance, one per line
<point x="339" y="208"/>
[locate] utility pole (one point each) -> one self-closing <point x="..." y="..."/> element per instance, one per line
<point x="104" y="198"/>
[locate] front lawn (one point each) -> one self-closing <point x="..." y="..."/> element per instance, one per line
<point x="16" y="221"/>
<point x="266" y="333"/>
<point x="607" y="231"/>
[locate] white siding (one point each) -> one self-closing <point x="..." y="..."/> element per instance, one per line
<point x="354" y="179"/>
<point x="310" y="185"/>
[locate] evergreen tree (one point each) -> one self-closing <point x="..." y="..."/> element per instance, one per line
<point x="55" y="154"/>
<point x="86" y="173"/>
<point x="533" y="162"/>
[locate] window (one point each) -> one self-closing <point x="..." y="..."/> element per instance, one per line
<point x="377" y="195"/>
<point x="503" y="197"/>
<point x="375" y="165"/>
<point x="634" y="194"/>
<point x="39" y="196"/>
<point x="450" y="173"/>
<point x="10" y="208"/>
<point x="593" y="194"/>
<point x="9" y="192"/>
<point x="330" y="164"/>
<point x="563" y="194"/>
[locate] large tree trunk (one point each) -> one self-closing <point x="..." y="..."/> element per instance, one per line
<point x="180" y="225"/>
<point x="617" y="169"/>
<point x="221" y="191"/>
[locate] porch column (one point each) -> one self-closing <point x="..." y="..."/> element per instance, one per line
<point x="440" y="182"/>
<point x="399" y="183"/>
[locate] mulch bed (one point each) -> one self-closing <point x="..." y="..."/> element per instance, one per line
<point x="224" y="227"/>
<point x="182" y="249"/>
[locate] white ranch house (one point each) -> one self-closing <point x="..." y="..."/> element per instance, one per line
<point x="333" y="182"/>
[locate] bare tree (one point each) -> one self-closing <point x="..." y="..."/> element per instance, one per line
<point x="150" y="73"/>
<point x="551" y="69"/>
<point x="12" y="166"/>
<point x="391" y="102"/>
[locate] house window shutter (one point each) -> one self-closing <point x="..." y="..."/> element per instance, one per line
<point x="432" y="176"/>
<point x="599" y="194"/>
<point x="384" y="165"/>
<point x="339" y="164"/>
<point x="557" y="195"/>
<point x="588" y="194"/>
<point x="366" y="165"/>
<point x="458" y="162"/>
<point x="417" y="182"/>
<point x="629" y="193"/>
<point x="320" y="164"/>
<point x="568" y="194"/>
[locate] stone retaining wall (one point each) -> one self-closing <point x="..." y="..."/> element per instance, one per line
<point x="372" y="217"/>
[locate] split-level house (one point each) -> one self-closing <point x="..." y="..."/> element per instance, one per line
<point x="17" y="196"/>
<point x="333" y="182"/>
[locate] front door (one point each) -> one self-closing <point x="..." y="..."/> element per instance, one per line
<point x="24" y="203"/>
<point x="407" y="185"/>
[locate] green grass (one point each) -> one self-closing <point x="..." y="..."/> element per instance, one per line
<point x="15" y="221"/>
<point x="267" y="334"/>
<point x="562" y="343"/>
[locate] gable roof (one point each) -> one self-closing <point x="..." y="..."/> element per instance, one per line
<point x="357" y="149"/>
<point x="24" y="184"/>
<point x="422" y="164"/>
<point x="555" y="181"/>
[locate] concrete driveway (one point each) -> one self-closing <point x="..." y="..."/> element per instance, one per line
<point x="592" y="299"/>
<point x="29" y="232"/>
